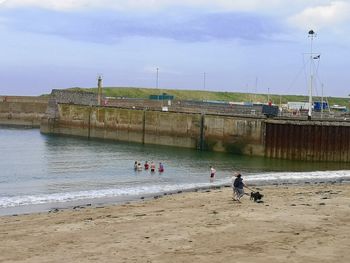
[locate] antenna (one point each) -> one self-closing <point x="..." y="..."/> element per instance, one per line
<point x="204" y="80"/>
<point x="157" y="80"/>
<point x="256" y="89"/>
<point x="312" y="35"/>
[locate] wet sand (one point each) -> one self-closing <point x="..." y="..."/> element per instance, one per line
<point x="305" y="223"/>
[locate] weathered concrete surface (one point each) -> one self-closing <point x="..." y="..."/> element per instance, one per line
<point x="187" y="130"/>
<point x="22" y="111"/>
<point x="234" y="134"/>
<point x="173" y="129"/>
<point x="284" y="139"/>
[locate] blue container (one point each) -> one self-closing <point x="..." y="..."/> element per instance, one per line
<point x="318" y="105"/>
<point x="161" y="97"/>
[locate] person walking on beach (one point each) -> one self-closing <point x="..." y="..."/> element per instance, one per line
<point x="135" y="166"/>
<point x="238" y="187"/>
<point x="212" y="173"/>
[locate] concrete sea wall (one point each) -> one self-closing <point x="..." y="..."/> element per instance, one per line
<point x="22" y="111"/>
<point x="187" y="130"/>
<point x="273" y="138"/>
<point x="234" y="134"/>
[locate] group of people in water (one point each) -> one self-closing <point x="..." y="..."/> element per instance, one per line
<point x="237" y="180"/>
<point x="148" y="166"/>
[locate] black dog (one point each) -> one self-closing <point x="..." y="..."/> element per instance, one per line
<point x="256" y="196"/>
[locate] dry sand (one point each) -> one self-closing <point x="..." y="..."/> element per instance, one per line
<point x="309" y="223"/>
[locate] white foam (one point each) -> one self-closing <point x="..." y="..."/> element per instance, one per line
<point x="139" y="190"/>
<point x="300" y="176"/>
<point x="92" y="194"/>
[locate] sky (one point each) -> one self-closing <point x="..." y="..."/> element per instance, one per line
<point x="256" y="46"/>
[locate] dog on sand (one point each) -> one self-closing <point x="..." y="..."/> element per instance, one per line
<point x="256" y="196"/>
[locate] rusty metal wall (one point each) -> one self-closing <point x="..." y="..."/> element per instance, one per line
<point x="311" y="142"/>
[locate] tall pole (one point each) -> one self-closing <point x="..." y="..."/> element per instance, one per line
<point x="256" y="88"/>
<point x="204" y="80"/>
<point x="157" y="80"/>
<point x="322" y="102"/>
<point x="311" y="35"/>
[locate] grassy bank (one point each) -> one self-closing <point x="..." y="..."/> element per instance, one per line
<point x="130" y="92"/>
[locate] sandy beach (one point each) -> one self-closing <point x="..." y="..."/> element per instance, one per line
<point x="305" y="223"/>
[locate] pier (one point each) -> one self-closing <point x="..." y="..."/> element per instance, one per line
<point x="224" y="128"/>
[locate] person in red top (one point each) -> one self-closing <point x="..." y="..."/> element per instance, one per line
<point x="146" y="165"/>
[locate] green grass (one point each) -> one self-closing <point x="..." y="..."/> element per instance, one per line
<point x="144" y="93"/>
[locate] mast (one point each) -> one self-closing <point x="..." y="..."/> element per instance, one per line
<point x="204" y="80"/>
<point x="311" y="36"/>
<point x="322" y="102"/>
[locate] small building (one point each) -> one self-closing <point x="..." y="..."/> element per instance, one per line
<point x="295" y="105"/>
<point x="164" y="96"/>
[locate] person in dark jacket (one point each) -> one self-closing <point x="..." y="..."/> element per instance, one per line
<point x="238" y="187"/>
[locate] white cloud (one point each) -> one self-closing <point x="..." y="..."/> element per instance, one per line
<point x="229" y="5"/>
<point x="324" y="16"/>
<point x="49" y="4"/>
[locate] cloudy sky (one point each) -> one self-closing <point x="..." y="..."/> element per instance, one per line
<point x="241" y="45"/>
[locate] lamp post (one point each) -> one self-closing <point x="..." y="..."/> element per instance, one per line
<point x="99" y="90"/>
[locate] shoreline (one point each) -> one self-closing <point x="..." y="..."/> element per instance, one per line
<point x="296" y="223"/>
<point x="111" y="201"/>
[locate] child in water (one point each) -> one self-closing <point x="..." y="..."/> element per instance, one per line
<point x="161" y="168"/>
<point x="139" y="166"/>
<point x="153" y="167"/>
<point x="212" y="173"/>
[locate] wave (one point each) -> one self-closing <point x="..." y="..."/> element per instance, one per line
<point x="101" y="193"/>
<point x="316" y="176"/>
<point x="132" y="191"/>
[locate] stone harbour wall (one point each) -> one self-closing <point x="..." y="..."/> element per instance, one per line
<point x="187" y="130"/>
<point x="22" y="111"/>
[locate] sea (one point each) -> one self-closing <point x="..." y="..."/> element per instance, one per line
<point x="40" y="173"/>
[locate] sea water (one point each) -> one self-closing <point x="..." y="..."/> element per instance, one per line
<point x="39" y="172"/>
